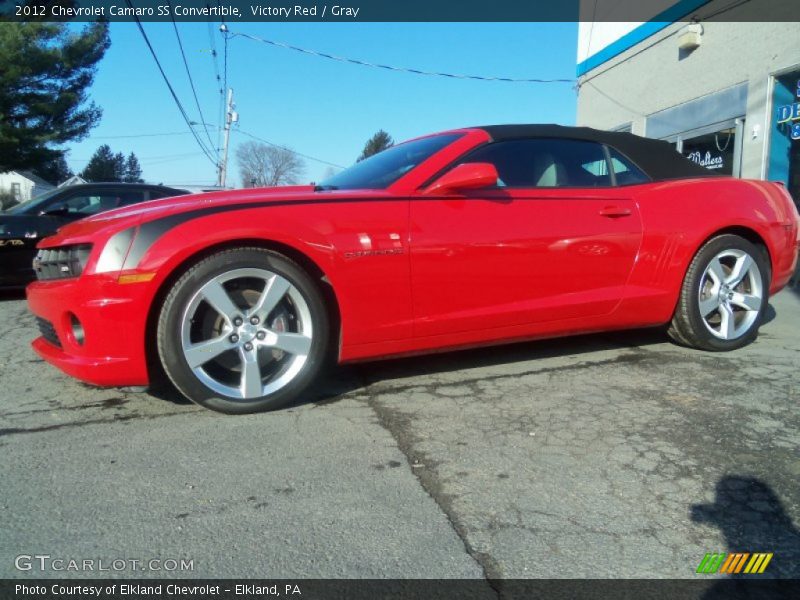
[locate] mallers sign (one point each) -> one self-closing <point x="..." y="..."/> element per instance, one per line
<point x="790" y="114"/>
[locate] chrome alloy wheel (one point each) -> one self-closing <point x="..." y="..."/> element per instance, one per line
<point x="731" y="294"/>
<point x="246" y="333"/>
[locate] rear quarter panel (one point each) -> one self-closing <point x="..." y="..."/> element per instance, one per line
<point x="678" y="217"/>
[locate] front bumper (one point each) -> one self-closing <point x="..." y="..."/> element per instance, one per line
<point x="113" y="318"/>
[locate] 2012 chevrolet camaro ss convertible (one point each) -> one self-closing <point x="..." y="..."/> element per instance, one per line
<point x="463" y="238"/>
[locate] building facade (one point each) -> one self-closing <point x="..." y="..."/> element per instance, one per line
<point x="726" y="93"/>
<point x="22" y="185"/>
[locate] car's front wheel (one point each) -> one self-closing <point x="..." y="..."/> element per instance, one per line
<point x="243" y="330"/>
<point x="724" y="295"/>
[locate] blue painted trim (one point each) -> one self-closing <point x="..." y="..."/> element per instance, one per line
<point x="642" y="32"/>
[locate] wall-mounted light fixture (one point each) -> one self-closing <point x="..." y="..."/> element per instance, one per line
<point x="690" y="37"/>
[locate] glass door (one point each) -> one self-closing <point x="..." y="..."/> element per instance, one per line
<point x="784" y="147"/>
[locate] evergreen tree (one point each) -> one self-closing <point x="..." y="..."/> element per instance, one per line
<point x="104" y="166"/>
<point x="133" y="171"/>
<point x="119" y="166"/>
<point x="377" y="143"/>
<point x="46" y="69"/>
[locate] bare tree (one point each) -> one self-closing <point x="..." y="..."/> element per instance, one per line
<point x="330" y="172"/>
<point x="262" y="165"/>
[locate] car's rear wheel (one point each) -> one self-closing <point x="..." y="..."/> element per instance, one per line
<point x="724" y="295"/>
<point x="244" y="330"/>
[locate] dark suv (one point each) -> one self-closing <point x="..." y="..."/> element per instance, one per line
<point x="24" y="224"/>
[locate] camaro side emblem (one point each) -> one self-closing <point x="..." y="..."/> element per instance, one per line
<point x="363" y="253"/>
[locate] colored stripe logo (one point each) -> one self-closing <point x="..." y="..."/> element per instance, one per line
<point x="734" y="562"/>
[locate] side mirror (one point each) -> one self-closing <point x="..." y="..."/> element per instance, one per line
<point x="466" y="176"/>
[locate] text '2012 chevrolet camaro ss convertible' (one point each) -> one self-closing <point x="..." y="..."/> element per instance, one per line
<point x="463" y="238"/>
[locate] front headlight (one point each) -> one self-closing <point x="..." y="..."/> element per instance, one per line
<point x="61" y="262"/>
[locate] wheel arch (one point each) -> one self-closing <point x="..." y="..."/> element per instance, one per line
<point x="748" y="233"/>
<point x="154" y="368"/>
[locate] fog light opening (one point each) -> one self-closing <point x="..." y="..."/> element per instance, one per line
<point x="77" y="329"/>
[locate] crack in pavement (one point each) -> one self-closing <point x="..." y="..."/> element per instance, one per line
<point x="399" y="429"/>
<point x="73" y="424"/>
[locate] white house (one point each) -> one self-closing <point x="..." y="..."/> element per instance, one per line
<point x="23" y="185"/>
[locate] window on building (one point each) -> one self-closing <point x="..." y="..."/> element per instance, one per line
<point x="714" y="151"/>
<point x="545" y="162"/>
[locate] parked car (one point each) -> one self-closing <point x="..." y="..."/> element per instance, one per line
<point x="24" y="224"/>
<point x="464" y="238"/>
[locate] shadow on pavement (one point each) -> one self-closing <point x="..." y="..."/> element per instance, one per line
<point x="794" y="282"/>
<point x="769" y="314"/>
<point x="752" y="518"/>
<point x="348" y="378"/>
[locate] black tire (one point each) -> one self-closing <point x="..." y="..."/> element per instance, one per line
<point x="688" y="328"/>
<point x="169" y="332"/>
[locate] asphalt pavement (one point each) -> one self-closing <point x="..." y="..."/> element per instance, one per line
<point x="613" y="455"/>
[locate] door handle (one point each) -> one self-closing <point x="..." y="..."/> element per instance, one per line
<point x="614" y="212"/>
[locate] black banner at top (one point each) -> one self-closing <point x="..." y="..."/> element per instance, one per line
<point x="233" y="11"/>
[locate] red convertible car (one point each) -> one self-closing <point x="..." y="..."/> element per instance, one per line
<point x="469" y="237"/>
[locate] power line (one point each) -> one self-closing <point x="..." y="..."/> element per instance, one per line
<point x="138" y="135"/>
<point x="155" y="163"/>
<point x="217" y="81"/>
<point x="315" y="159"/>
<point x="224" y="106"/>
<point x="614" y="101"/>
<point x="147" y="158"/>
<point x="364" y="63"/>
<point x="189" y="75"/>
<point x="225" y="35"/>
<point x="169" y="85"/>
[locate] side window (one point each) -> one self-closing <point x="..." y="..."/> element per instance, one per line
<point x="545" y="162"/>
<point x="90" y="203"/>
<point x="130" y="197"/>
<point x="155" y="194"/>
<point x="625" y="172"/>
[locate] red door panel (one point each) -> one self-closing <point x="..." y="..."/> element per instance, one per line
<point x="501" y="258"/>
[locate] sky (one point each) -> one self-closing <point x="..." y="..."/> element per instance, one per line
<point x="318" y="107"/>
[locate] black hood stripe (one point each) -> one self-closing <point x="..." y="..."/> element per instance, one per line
<point x="151" y="231"/>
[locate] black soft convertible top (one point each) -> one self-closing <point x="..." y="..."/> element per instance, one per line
<point x="658" y="159"/>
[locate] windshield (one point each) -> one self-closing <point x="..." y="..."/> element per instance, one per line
<point x="29" y="207"/>
<point x="383" y="169"/>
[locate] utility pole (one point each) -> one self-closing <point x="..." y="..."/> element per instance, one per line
<point x="231" y="116"/>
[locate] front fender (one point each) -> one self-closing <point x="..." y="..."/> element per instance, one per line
<point x="372" y="289"/>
